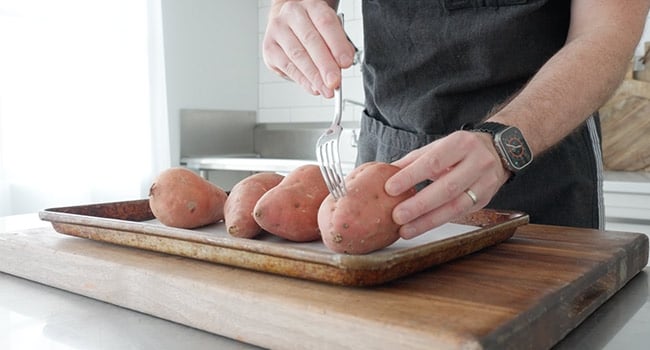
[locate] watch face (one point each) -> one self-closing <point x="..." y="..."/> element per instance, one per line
<point x="514" y="147"/>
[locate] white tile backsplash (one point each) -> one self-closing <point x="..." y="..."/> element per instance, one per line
<point x="283" y="101"/>
<point x="273" y="115"/>
<point x="286" y="94"/>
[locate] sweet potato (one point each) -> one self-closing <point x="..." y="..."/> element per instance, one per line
<point x="239" y="206"/>
<point x="181" y="198"/>
<point x="361" y="222"/>
<point x="290" y="209"/>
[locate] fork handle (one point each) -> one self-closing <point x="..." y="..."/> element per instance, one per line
<point x="338" y="93"/>
<point x="338" y="105"/>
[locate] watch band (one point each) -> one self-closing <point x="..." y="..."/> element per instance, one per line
<point x="491" y="128"/>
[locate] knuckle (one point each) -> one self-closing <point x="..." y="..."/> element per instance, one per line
<point x="452" y="188"/>
<point x="420" y="206"/>
<point x="457" y="208"/>
<point x="311" y="37"/>
<point x="313" y="75"/>
<point x="297" y="53"/>
<point x="432" y="165"/>
<point x="274" y="22"/>
<point x="289" y="68"/>
<point x="294" y="74"/>
<point x="291" y="8"/>
<point x="324" y="19"/>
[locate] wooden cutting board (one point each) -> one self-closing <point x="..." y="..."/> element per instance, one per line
<point x="525" y="293"/>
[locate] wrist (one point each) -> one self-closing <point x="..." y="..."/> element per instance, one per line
<point x="509" y="144"/>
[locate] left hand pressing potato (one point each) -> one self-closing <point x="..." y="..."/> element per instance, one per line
<point x="361" y="221"/>
<point x="456" y="163"/>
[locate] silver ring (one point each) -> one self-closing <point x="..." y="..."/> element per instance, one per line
<point x="472" y="196"/>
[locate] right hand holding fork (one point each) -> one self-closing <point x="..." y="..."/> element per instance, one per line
<point x="305" y="42"/>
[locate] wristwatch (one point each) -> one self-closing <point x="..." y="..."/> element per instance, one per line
<point x="510" y="144"/>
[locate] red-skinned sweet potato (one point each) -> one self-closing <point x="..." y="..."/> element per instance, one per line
<point x="241" y="202"/>
<point x="361" y="222"/>
<point x="290" y="209"/>
<point x="181" y="198"/>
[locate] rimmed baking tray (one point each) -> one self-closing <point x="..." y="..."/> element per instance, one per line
<point x="131" y="223"/>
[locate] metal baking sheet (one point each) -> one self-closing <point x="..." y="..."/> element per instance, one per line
<point x="131" y="223"/>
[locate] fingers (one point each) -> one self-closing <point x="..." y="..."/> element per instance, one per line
<point x="452" y="207"/>
<point x="340" y="48"/>
<point x="460" y="162"/>
<point x="277" y="61"/>
<point x="458" y="206"/>
<point x="444" y="190"/>
<point x="426" y="163"/>
<point x="305" y="42"/>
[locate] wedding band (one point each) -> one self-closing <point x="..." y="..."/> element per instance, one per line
<point x="472" y="196"/>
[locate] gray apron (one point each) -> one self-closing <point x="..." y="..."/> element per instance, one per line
<point x="433" y="65"/>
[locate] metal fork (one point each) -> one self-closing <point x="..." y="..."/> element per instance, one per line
<point x="327" y="152"/>
<point x="327" y="147"/>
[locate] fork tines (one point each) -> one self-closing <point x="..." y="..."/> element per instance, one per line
<point x="330" y="165"/>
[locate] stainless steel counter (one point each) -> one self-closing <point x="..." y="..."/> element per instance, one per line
<point x="251" y="164"/>
<point x="275" y="147"/>
<point x="35" y="316"/>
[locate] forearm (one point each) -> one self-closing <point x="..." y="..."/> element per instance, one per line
<point x="579" y="78"/>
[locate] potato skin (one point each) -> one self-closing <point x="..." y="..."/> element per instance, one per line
<point x="290" y="210"/>
<point x="361" y="222"/>
<point x="181" y="198"/>
<point x="239" y="206"/>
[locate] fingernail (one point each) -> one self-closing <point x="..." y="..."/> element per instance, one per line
<point x="331" y="79"/>
<point x="345" y="60"/>
<point x="408" y="232"/>
<point x="325" y="91"/>
<point x="401" y="216"/>
<point x="393" y="188"/>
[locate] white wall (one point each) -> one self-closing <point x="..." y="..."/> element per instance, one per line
<point x="284" y="101"/>
<point x="211" y="51"/>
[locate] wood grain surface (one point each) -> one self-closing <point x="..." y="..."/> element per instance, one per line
<point x="625" y="126"/>
<point x="525" y="293"/>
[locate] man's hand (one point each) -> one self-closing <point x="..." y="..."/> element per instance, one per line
<point x="459" y="162"/>
<point x="305" y="42"/>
